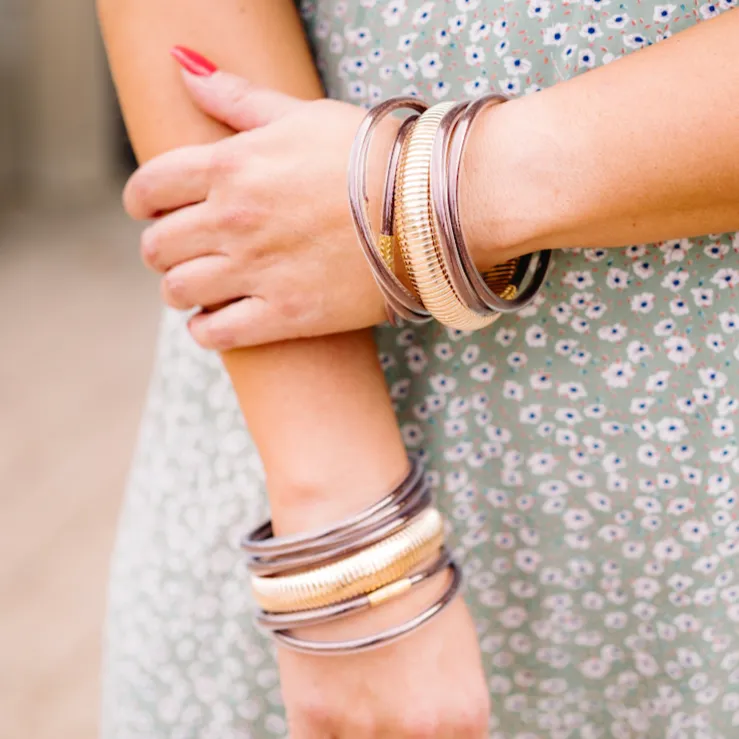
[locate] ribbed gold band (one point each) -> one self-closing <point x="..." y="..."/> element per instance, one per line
<point x="417" y="236"/>
<point x="369" y="570"/>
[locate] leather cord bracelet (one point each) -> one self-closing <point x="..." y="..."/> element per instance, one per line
<point x="399" y="300"/>
<point x="446" y="173"/>
<point x="388" y="636"/>
<point x="267" y="552"/>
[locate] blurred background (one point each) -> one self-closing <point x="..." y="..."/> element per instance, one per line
<point x="78" y="320"/>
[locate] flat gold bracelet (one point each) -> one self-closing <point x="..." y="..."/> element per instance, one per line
<point x="360" y="573"/>
<point x="416" y="231"/>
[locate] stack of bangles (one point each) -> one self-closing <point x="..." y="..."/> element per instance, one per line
<point x="420" y="215"/>
<point x="360" y="563"/>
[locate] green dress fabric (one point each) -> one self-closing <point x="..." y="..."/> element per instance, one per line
<point x="584" y="450"/>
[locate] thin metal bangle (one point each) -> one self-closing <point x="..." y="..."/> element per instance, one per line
<point x="352" y="646"/>
<point x="359" y="573"/>
<point x="261" y="542"/>
<point x="312" y="617"/>
<point x="474" y="278"/>
<point x="386" y="240"/>
<point x="399" y="300"/>
<point x="314" y="557"/>
<point x="417" y="233"/>
<point x="501" y="279"/>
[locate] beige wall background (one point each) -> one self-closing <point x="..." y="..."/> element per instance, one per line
<point x="78" y="316"/>
<point x="56" y="123"/>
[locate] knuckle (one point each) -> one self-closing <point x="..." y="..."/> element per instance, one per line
<point x="150" y="244"/>
<point x="234" y="217"/>
<point x="420" y="726"/>
<point x="174" y="292"/>
<point x="316" y="713"/>
<point x="136" y="195"/>
<point x="223" y="159"/>
<point x="219" y="336"/>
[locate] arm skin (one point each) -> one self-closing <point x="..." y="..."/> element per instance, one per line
<point x="302" y="400"/>
<point x="641" y="150"/>
<point x="317" y="409"/>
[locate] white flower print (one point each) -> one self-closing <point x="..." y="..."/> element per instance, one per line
<point x="729" y="322"/>
<point x="474" y="55"/>
<point x="716" y="251"/>
<point x="440" y="90"/>
<point x="442" y="36"/>
<point x="586" y="58"/>
<point x="465" y="5"/>
<point x="408" y="68"/>
<point x="423" y="14"/>
<point x="679" y="350"/>
<point x="479" y="31"/>
<point x="634" y="41"/>
<point x="578" y="279"/>
<point x="536" y="336"/>
<point x="457" y="23"/>
<point x="555" y="35"/>
<point x="405" y="42"/>
<point x="662" y="13"/>
<point x="612" y="334"/>
<point x="539" y="8"/>
<point x="542" y="463"/>
<point x="515" y="65"/>
<point x="642" y="303"/>
<point x="512" y="86"/>
<point x="595" y="668"/>
<point x="618" y="374"/>
<point x="617" y="21"/>
<point x="671" y="429"/>
<point x="668" y="549"/>
<point x="430" y="65"/>
<point x="393" y="12"/>
<point x="675" y="280"/>
<point x="477" y="86"/>
<point x="591" y="31"/>
<point x="679" y="307"/>
<point x="703" y="296"/>
<point x="675" y="251"/>
<point x="726" y="278"/>
<point x="664" y="327"/>
<point x="643" y="270"/>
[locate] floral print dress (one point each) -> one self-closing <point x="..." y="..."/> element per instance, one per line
<point x="585" y="450"/>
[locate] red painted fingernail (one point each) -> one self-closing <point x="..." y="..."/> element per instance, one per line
<point x="193" y="62"/>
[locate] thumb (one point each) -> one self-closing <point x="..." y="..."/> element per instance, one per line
<point x="227" y="97"/>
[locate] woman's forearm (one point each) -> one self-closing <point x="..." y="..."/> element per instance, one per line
<point x="318" y="410"/>
<point x="643" y="149"/>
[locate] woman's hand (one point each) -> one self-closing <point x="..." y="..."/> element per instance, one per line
<point x="427" y="686"/>
<point x="260" y="221"/>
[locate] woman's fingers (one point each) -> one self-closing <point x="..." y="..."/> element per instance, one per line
<point x="241" y="323"/>
<point x="202" y="282"/>
<point x="175" y="179"/>
<point x="178" y="237"/>
<point x="237" y="102"/>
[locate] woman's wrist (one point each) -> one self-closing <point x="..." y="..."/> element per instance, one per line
<point x="511" y="200"/>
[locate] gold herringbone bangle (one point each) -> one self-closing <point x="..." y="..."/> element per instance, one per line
<point x="364" y="572"/>
<point x="416" y="233"/>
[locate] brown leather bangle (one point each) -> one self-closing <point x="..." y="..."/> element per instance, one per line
<point x="315" y="556"/>
<point x="400" y="301"/>
<point x="447" y="167"/>
<point x="351" y="646"/>
<point x="261" y="545"/>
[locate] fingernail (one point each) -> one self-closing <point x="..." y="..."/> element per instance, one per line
<point x="193" y="62"/>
